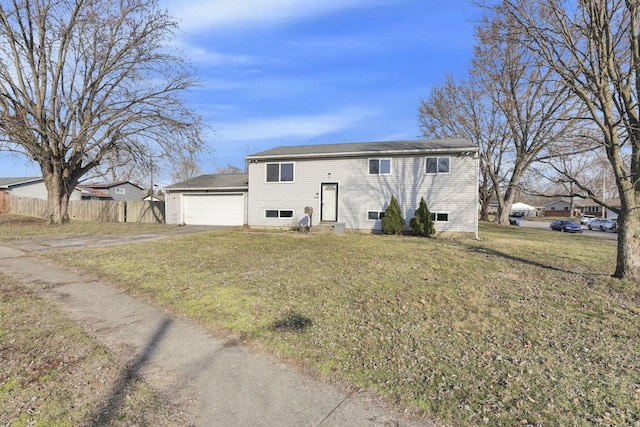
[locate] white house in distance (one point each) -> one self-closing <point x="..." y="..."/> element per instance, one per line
<point x="348" y="184"/>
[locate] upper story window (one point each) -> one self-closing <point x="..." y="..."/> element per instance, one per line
<point x="279" y="172"/>
<point x="436" y="165"/>
<point x="379" y="166"/>
<point x="120" y="191"/>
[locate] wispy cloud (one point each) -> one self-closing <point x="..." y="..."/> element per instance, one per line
<point x="310" y="126"/>
<point x="217" y="14"/>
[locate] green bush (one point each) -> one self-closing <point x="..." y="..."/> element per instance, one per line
<point x="422" y="224"/>
<point x="393" y="222"/>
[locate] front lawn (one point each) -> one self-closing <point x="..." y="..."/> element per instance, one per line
<point x="524" y="327"/>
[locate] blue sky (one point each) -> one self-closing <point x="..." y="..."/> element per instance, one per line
<point x="298" y="72"/>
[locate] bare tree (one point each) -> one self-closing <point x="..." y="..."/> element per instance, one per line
<point x="184" y="167"/>
<point x="593" y="46"/>
<point x="464" y="110"/>
<point x="229" y="169"/>
<point x="82" y="81"/>
<point x="537" y="109"/>
<point x="511" y="106"/>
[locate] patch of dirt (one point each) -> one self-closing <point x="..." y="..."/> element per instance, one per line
<point x="17" y="220"/>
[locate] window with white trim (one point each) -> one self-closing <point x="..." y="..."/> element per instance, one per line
<point x="279" y="172"/>
<point x="379" y="166"/>
<point x="440" y="216"/>
<point x="276" y="213"/>
<point x="436" y="165"/>
<point x="375" y="215"/>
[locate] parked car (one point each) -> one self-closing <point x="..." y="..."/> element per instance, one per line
<point x="584" y="219"/>
<point x="565" y="225"/>
<point x="602" y="224"/>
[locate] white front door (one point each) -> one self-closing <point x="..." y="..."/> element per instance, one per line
<point x="329" y="201"/>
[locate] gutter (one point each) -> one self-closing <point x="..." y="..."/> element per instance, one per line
<point x="363" y="153"/>
<point x="172" y="190"/>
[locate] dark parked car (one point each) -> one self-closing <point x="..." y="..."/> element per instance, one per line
<point x="565" y="225"/>
<point x="603" y="224"/>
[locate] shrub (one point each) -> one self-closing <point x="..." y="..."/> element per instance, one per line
<point x="422" y="224"/>
<point x="393" y="222"/>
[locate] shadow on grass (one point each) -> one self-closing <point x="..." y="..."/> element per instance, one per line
<point x="104" y="415"/>
<point x="293" y="322"/>
<point x="518" y="259"/>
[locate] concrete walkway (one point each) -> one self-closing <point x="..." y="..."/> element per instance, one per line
<point x="219" y="382"/>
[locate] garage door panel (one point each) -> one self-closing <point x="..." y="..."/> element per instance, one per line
<point x="214" y="209"/>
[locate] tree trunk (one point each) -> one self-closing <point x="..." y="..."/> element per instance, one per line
<point x="504" y="207"/>
<point x="58" y="195"/>
<point x="485" y="198"/>
<point x="628" y="258"/>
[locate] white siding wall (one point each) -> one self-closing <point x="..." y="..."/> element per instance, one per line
<point x="454" y="192"/>
<point x="172" y="208"/>
<point x="38" y="190"/>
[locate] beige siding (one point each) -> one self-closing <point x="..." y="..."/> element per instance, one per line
<point x="359" y="192"/>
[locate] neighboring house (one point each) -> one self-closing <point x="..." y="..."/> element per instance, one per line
<point x="589" y="207"/>
<point x="611" y="214"/>
<point x="121" y="190"/>
<point x="92" y="194"/>
<point x="32" y="187"/>
<point x="208" y="200"/>
<point x="562" y="208"/>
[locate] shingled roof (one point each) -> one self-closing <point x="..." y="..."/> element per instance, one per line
<point x="367" y="148"/>
<point x="9" y="182"/>
<point x="213" y="182"/>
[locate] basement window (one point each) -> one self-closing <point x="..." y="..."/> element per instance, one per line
<point x="375" y="215"/>
<point x="440" y="216"/>
<point x="275" y="213"/>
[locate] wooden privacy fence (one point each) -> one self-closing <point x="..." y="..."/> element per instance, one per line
<point x="92" y="210"/>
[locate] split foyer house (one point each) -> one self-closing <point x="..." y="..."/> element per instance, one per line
<point x="350" y="184"/>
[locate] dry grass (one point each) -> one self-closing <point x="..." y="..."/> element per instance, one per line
<point x="54" y="375"/>
<point x="13" y="227"/>
<point x="523" y="327"/>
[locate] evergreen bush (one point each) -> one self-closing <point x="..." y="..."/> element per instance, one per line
<point x="393" y="222"/>
<point x="422" y="224"/>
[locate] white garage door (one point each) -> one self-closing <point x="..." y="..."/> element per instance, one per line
<point x="214" y="209"/>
